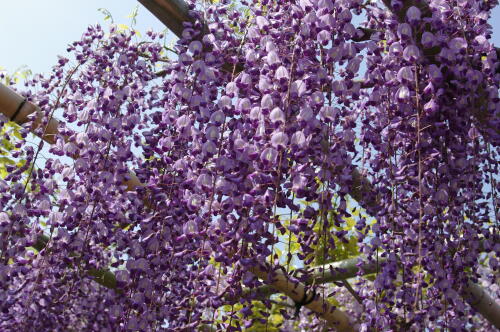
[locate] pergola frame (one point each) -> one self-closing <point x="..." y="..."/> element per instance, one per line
<point x="173" y="13"/>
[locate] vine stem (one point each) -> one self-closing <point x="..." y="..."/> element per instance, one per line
<point x="420" y="205"/>
<point x="212" y="197"/>
<point x="40" y="145"/>
<point x="286" y="105"/>
<point x="39" y="148"/>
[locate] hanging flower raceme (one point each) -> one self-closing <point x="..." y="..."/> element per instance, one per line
<point x="430" y="161"/>
<point x="260" y="114"/>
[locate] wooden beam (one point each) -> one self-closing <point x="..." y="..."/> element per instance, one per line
<point x="297" y="292"/>
<point x="9" y="103"/>
<point x="172" y="13"/>
<point x="473" y="294"/>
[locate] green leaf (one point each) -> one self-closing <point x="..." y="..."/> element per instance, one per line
<point x="133" y="16"/>
<point x="122" y="27"/>
<point x="5" y="160"/>
<point x="107" y="14"/>
<point x="103" y="277"/>
<point x="3" y="172"/>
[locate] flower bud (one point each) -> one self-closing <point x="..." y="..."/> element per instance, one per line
<point x="411" y="53"/>
<point x="413" y="15"/>
<point x="403" y="94"/>
<point x="404" y="31"/>
<point x="428" y="39"/>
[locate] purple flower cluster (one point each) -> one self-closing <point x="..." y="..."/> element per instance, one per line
<point x="262" y="110"/>
<point x="431" y="130"/>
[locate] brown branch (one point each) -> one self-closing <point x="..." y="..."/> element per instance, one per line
<point x="172" y="13"/>
<point x="354" y="294"/>
<point x="482" y="302"/>
<point x="297" y="291"/>
<point x="473" y="294"/>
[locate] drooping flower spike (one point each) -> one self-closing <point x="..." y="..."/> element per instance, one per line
<point x="277" y="107"/>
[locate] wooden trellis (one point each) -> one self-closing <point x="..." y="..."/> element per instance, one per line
<point x="474" y="294"/>
<point x="173" y="13"/>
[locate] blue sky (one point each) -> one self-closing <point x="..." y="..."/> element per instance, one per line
<point x="34" y="32"/>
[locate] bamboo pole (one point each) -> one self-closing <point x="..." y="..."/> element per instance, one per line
<point x="9" y="103"/>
